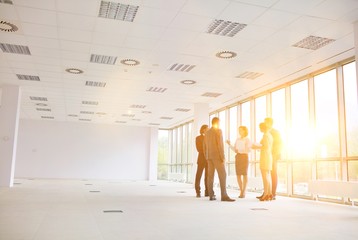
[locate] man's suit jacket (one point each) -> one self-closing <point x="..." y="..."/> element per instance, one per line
<point x="214" y="145"/>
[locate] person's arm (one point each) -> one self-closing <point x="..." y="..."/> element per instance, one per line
<point x="231" y="146"/>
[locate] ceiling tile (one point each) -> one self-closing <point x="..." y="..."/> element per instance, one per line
<point x="191" y="22"/>
<point x="75" y="35"/>
<point x="8" y="12"/>
<point x="39" y="16"/>
<point x="82" y="7"/>
<point x="73" y="21"/>
<point x="242" y="13"/>
<point x="276" y="19"/>
<point x="39" y="30"/>
<point x="207" y="8"/>
<point x="155" y="17"/>
<point x="40" y="4"/>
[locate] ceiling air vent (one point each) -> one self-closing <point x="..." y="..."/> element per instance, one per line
<point x="43" y="109"/>
<point x="182" y="110"/>
<point x="128" y="115"/>
<point x="181" y="67"/>
<point x="166" y="118"/>
<point x="121" y="122"/>
<point x="313" y="42"/>
<point x="12" y="48"/>
<point x="250" y="75"/>
<point x="85" y="119"/>
<point x="47" y="117"/>
<point x="86" y="112"/>
<point x="103" y="59"/>
<point x="118" y="11"/>
<point x="146" y="112"/>
<point x="95" y="84"/>
<point x="90" y="102"/>
<point x="137" y="106"/>
<point x="8" y="27"/>
<point x="28" y="77"/>
<point x="156" y="89"/>
<point x="225" y="28"/>
<point x="136" y="119"/>
<point x="154" y="124"/>
<point x="72" y="115"/>
<point x="6" y="1"/>
<point x="211" y="94"/>
<point x="38" y="98"/>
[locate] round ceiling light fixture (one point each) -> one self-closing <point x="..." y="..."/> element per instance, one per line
<point x="8" y="27"/>
<point x="226" y="54"/>
<point x="188" y="82"/>
<point x="74" y="70"/>
<point x="130" y="62"/>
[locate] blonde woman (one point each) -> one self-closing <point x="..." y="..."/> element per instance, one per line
<point x="265" y="148"/>
<point x="241" y="148"/>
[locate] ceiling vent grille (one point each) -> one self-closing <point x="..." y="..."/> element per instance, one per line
<point x="313" y="42"/>
<point x="101" y="113"/>
<point x="47" y="117"/>
<point x="250" y="75"/>
<point x="181" y="67"/>
<point x="211" y="94"/>
<point x="12" y="48"/>
<point x="103" y="59"/>
<point x="86" y="112"/>
<point x="90" y="102"/>
<point x="85" y="119"/>
<point x="121" y="122"/>
<point x="137" y="106"/>
<point x="136" y="119"/>
<point x="72" y="115"/>
<point x="43" y="109"/>
<point x="154" y="124"/>
<point x="118" y="11"/>
<point x="156" y="89"/>
<point x="128" y="115"/>
<point x="225" y="28"/>
<point x="146" y="112"/>
<point x="166" y="118"/>
<point x="6" y="1"/>
<point x="182" y="110"/>
<point x="95" y="84"/>
<point x="38" y="98"/>
<point x="28" y="77"/>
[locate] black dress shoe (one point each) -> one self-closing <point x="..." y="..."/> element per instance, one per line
<point x="227" y="199"/>
<point x="212" y="198"/>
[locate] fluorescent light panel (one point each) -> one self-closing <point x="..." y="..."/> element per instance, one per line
<point x="103" y="59"/>
<point x="313" y="42"/>
<point x="118" y="11"/>
<point x="225" y="28"/>
<point x="28" y="77"/>
<point x="181" y="67"/>
<point x="13" y="48"/>
<point x="95" y="84"/>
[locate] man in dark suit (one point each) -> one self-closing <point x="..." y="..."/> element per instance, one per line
<point x="214" y="153"/>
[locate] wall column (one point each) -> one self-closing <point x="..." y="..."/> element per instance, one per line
<point x="201" y="117"/>
<point x="9" y="121"/>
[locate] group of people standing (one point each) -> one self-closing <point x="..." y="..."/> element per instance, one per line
<point x="210" y="147"/>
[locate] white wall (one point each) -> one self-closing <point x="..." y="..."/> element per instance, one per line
<point x="50" y="149"/>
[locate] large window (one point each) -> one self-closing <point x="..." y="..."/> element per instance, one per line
<point x="300" y="142"/>
<point x="351" y="108"/>
<point x="326" y="115"/>
<point x="163" y="154"/>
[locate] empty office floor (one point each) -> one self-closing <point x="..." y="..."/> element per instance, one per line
<point x="112" y="210"/>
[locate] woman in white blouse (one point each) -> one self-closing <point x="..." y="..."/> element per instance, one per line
<point x="241" y="148"/>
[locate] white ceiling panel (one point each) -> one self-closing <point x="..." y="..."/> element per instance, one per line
<point x="75" y="35"/>
<point x="8" y="12"/>
<point x="42" y="42"/>
<point x="295" y="6"/>
<point x="263" y="3"/>
<point x="333" y="9"/>
<point x="75" y="46"/>
<point x="38" y="16"/>
<point x="39" y="30"/>
<point x="165" y="4"/>
<point x="309" y="25"/>
<point x="242" y="13"/>
<point x="207" y="8"/>
<point x="40" y="4"/>
<point x="276" y="19"/>
<point x="73" y="21"/>
<point x="191" y="22"/>
<point x="80" y="7"/>
<point x="156" y="17"/>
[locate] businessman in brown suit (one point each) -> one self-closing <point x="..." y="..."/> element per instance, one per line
<point x="214" y="153"/>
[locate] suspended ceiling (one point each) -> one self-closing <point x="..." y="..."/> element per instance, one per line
<point x="147" y="62"/>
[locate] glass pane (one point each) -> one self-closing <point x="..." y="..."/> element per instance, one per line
<point x="301" y="174"/>
<point x="329" y="170"/>
<point x="184" y="145"/>
<point x="222" y="126"/>
<point x="351" y="108"/>
<point x="178" y="146"/>
<point x="190" y="143"/>
<point x="174" y="146"/>
<point x="278" y="109"/>
<point x="233" y="134"/>
<point x="245" y="115"/>
<point x="300" y="141"/>
<point x="326" y="112"/>
<point x="353" y="170"/>
<point x="260" y="115"/>
<point x="282" y="177"/>
<point x="163" y="154"/>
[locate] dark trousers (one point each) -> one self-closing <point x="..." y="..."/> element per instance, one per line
<point x="199" y="173"/>
<point x="219" y="166"/>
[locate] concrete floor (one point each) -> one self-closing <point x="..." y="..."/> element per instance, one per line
<point x="75" y="210"/>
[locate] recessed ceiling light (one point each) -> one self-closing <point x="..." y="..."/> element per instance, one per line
<point x="188" y="82"/>
<point x="225" y="28"/>
<point x="8" y="27"/>
<point x="313" y="42"/>
<point x="226" y="54"/>
<point x="130" y="62"/>
<point x="74" y="70"/>
<point x="118" y="11"/>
